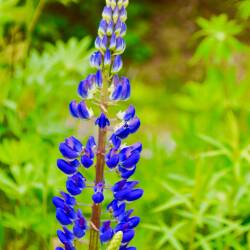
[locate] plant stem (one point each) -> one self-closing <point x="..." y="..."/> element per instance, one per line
<point x="96" y="208"/>
<point x="99" y="177"/>
<point x="32" y="25"/>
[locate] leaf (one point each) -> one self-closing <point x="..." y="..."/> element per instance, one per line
<point x="173" y="202"/>
<point x="216" y="143"/>
<point x="244" y="9"/>
<point x="204" y="244"/>
<point x="178" y="195"/>
<point x="169" y="236"/>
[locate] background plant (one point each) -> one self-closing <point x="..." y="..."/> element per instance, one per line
<point x="192" y="96"/>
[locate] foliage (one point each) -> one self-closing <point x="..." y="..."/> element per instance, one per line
<point x="244" y="9"/>
<point x="29" y="130"/>
<point x="195" y="168"/>
<point x="205" y="199"/>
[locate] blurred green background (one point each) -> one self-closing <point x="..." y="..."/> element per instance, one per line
<point x="189" y="62"/>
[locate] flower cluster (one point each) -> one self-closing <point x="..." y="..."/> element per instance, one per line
<point x="106" y="87"/>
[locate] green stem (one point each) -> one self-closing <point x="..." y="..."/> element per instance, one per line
<point x="31" y="27"/>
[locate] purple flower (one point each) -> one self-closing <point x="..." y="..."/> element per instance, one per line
<point x="68" y="167"/>
<point x="65" y="213"/>
<point x="123" y="29"/>
<point x="110" y="28"/>
<point x="102" y="28"/>
<point x="112" y="158"/>
<point x="73" y="109"/>
<point x="97" y="44"/>
<point x="71" y="148"/>
<point x="123" y="14"/>
<point x="129" y="113"/>
<point x="107" y="58"/>
<point x="102" y="121"/>
<point x="106" y="232"/>
<point x="116" y="14"/>
<point x="96" y="59"/>
<point x="83" y="111"/>
<point x="80" y="110"/>
<point x="107" y="13"/>
<point x="104" y="43"/>
<point x="65" y="236"/>
<point x="82" y="90"/>
<point x="121" y="88"/>
<point x="116" y="208"/>
<point x="75" y="183"/>
<point x="120" y="46"/>
<point x="103" y="87"/>
<point x="80" y="225"/>
<point x="98" y="197"/>
<point x="117" y="65"/>
<point x="126" y="173"/>
<point x="112" y="42"/>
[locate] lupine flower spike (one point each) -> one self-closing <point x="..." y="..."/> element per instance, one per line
<point x="106" y="151"/>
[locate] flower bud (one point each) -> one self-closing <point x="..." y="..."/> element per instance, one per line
<point x="120" y="46"/>
<point x="104" y="43"/>
<point x="123" y="29"/>
<point x="113" y="4"/>
<point x="125" y="3"/>
<point x="73" y="109"/>
<point x="116" y="94"/>
<point x="123" y="14"/>
<point x="112" y="42"/>
<point x="83" y="111"/>
<point x="107" y="58"/>
<point x="110" y="28"/>
<point x="83" y="88"/>
<point x="134" y="125"/>
<point x="96" y="59"/>
<point x="102" y="28"/>
<point x="116" y="241"/>
<point x="86" y="161"/>
<point x="98" y="197"/>
<point x="120" y="3"/>
<point x="108" y="2"/>
<point x="117" y="65"/>
<point x="115" y="14"/>
<point x="98" y="78"/>
<point x="102" y="121"/>
<point x="129" y="113"/>
<point x="107" y="13"/>
<point x="125" y="88"/>
<point x="68" y="167"/>
<point x="98" y="43"/>
<point x="118" y="27"/>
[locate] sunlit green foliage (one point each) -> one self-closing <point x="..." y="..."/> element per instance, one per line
<point x="205" y="195"/>
<point x="196" y="158"/>
<point x="244" y="9"/>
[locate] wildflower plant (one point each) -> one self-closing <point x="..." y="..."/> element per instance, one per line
<point x="105" y="88"/>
